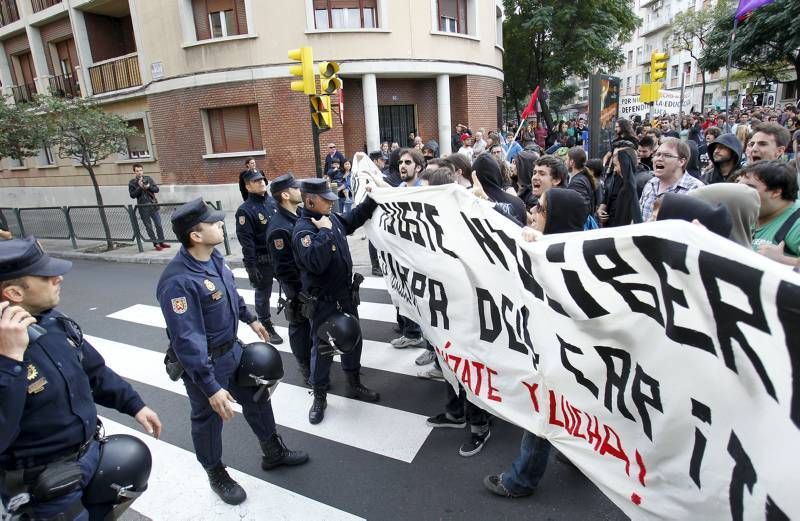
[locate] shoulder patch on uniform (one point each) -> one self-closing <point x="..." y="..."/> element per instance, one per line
<point x="306" y="241"/>
<point x="241" y="219"/>
<point x="179" y="305"/>
<point x="278" y="244"/>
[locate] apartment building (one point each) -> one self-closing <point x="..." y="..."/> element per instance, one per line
<point x="206" y="82"/>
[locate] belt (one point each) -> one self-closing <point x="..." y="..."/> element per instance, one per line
<point x="36" y="464"/>
<point x="220" y="350"/>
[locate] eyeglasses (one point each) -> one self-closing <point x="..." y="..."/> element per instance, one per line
<point x="659" y="155"/>
<point x="406" y="162"/>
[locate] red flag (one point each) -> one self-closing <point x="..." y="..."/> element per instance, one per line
<point x="531" y="108"/>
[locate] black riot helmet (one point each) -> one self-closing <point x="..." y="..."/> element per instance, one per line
<point x="339" y="334"/>
<point x="260" y="366"/>
<point x="122" y="473"/>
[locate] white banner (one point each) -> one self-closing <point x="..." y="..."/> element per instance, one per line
<point x="660" y="358"/>
<point x="670" y="103"/>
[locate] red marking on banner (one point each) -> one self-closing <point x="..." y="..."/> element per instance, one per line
<point x="447" y="345"/>
<point x="642" y="469"/>
<point x="636" y="498"/>
<point x="492" y="393"/>
<point x="616" y="449"/>
<point x="479" y="373"/>
<point x="553" y="420"/>
<point x="466" y="375"/>
<point x="532" y="388"/>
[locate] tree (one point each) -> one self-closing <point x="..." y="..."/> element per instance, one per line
<point x="766" y="41"/>
<point x="87" y="134"/>
<point x="690" y="27"/>
<point x="22" y="132"/>
<point x="560" y="96"/>
<point x="546" y="41"/>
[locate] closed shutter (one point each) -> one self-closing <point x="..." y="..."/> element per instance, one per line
<point x="236" y="121"/>
<point x="345" y="4"/>
<point x="57" y="30"/>
<point x="217" y="131"/>
<point x="241" y="17"/>
<point x="201" y="19"/>
<point x="462" y="16"/>
<point x="16" y="44"/>
<point x="255" y="128"/>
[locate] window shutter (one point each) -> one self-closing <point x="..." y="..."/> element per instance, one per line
<point x="255" y="128"/>
<point x="236" y="121"/>
<point x="201" y="19"/>
<point x="320" y="4"/>
<point x="448" y="8"/>
<point x="241" y="17"/>
<point x="344" y="4"/>
<point x="221" y="5"/>
<point x="462" y="16"/>
<point x="137" y="145"/>
<point x="217" y="131"/>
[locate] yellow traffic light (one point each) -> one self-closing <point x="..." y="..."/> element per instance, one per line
<point x="321" y="111"/>
<point x="658" y="66"/>
<point x="305" y="70"/>
<point x="650" y="93"/>
<point x="329" y="82"/>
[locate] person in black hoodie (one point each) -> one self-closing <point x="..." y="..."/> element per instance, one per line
<point x="693" y="166"/>
<point x="716" y="218"/>
<point x="621" y="203"/>
<point x="725" y="153"/>
<point x="487" y="181"/>
<point x="525" y="162"/>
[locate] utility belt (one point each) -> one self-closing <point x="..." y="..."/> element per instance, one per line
<point x="264" y="259"/>
<point x="298" y="308"/>
<point x="310" y="306"/>
<point x="174" y="367"/>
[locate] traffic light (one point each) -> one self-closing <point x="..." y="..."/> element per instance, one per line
<point x="305" y="70"/>
<point x="658" y="66"/>
<point x="329" y="82"/>
<point x="321" y="111"/>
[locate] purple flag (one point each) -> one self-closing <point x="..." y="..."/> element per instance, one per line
<point x="747" y="6"/>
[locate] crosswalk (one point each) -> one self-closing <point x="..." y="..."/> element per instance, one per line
<point x="392" y="433"/>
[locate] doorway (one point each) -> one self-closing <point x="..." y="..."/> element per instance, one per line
<point x="396" y="122"/>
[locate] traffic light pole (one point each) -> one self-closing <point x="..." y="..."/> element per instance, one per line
<point x="315" y="132"/>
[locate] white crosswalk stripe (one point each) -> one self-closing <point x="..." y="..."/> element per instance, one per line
<point x="366" y="311"/>
<point x="369" y="282"/>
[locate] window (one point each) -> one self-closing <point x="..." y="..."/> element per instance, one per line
<point x="708" y="98"/>
<point x="46" y="156"/>
<point x="628" y="85"/>
<point x="639" y="55"/>
<point x="499" y="26"/>
<point x="235" y="129"/>
<point x="452" y="16"/>
<point x="137" y="147"/>
<point x="630" y="59"/>
<point x="345" y="14"/>
<point x="219" y="18"/>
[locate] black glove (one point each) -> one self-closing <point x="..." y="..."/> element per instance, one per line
<point x="254" y="274"/>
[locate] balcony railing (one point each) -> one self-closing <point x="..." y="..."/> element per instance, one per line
<point x="116" y="74"/>
<point x="23" y="93"/>
<point x="65" y="86"/>
<point x="8" y="12"/>
<point x="663" y="19"/>
<point x="40" y="5"/>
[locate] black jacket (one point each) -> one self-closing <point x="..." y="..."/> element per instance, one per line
<point x="714" y="175"/>
<point x="581" y="183"/>
<point x="143" y="195"/>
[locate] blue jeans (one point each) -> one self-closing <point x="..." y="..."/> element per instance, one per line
<point x="529" y="467"/>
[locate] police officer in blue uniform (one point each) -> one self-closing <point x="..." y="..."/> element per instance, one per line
<point x="50" y="381"/>
<point x="319" y="242"/>
<point x="202" y="308"/>
<point x="252" y="219"/>
<point x="286" y="191"/>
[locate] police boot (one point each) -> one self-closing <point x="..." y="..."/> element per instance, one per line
<point x="317" y="411"/>
<point x="274" y="337"/>
<point x="376" y="269"/>
<point x="223" y="484"/>
<point x="355" y="389"/>
<point x="276" y="454"/>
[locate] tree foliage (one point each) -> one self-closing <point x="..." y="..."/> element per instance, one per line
<point x="547" y="41"/>
<point x="22" y="132"/>
<point x="561" y="95"/>
<point x="765" y="42"/>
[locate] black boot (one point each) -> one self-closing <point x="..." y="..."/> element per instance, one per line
<point x="376" y="269"/>
<point x="274" y="337"/>
<point x="226" y="488"/>
<point x="317" y="411"/>
<point x="276" y="454"/>
<point x="355" y="389"/>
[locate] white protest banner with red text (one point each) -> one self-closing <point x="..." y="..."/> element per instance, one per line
<point x="661" y="359"/>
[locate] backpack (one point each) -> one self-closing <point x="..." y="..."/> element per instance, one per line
<point x="783" y="231"/>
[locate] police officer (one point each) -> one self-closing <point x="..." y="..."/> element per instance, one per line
<point x="49" y="384"/>
<point x="286" y="191"/>
<point x="252" y="218"/>
<point x="198" y="298"/>
<point x="319" y="242"/>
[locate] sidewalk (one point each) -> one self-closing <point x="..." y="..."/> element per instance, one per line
<point x="63" y="249"/>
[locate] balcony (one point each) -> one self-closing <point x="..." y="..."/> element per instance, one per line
<point x="65" y="86"/>
<point x="659" y="20"/>
<point x="116" y="74"/>
<point x="41" y="5"/>
<point x="23" y="93"/>
<point x="8" y="12"/>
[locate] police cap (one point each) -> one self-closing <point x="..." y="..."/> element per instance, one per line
<point x="21" y="257"/>
<point x="318" y="187"/>
<point x="284" y="182"/>
<point x="252" y="175"/>
<point x="191" y="214"/>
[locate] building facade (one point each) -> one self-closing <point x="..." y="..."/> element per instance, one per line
<point x="206" y="82"/>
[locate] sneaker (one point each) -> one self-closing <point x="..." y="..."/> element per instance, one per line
<point x="494" y="484"/>
<point x="443" y="420"/>
<point x="425" y="358"/>
<point x="434" y="373"/>
<point x="376" y="270"/>
<point x="404" y="342"/>
<point x="474" y="444"/>
<point x="165" y="245"/>
<point x="274" y="337"/>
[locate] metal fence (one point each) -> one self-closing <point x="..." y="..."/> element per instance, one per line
<point x="140" y="223"/>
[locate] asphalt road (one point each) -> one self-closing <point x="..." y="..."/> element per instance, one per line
<point x="384" y="466"/>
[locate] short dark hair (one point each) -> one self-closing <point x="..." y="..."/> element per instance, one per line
<point x="137" y="165"/>
<point x="596" y="167"/>
<point x="558" y="170"/>
<point x="714" y="131"/>
<point x="441" y="176"/>
<point x="251" y="158"/>
<point x="578" y="156"/>
<point x="184" y="237"/>
<point x="781" y="134"/>
<point x="441" y="162"/>
<point x="375" y="155"/>
<point x="777" y="175"/>
<point x="459" y="162"/>
<point x="415" y="154"/>
<point x="647" y="142"/>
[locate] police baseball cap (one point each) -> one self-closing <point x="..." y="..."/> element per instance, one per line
<point x="284" y="182"/>
<point x="318" y="187"/>
<point x="191" y="214"/>
<point x="252" y="175"/>
<point x="21" y="257"/>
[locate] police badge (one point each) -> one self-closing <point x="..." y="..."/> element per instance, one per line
<point x="306" y="241"/>
<point x="278" y="244"/>
<point x="209" y="285"/>
<point x="262" y="219"/>
<point x="179" y="305"/>
<point x="241" y="220"/>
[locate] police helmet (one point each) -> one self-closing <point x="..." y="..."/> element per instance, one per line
<point x="122" y="472"/>
<point x="260" y="366"/>
<point x="339" y="334"/>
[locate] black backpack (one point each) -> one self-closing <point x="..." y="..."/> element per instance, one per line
<point x="784" y="230"/>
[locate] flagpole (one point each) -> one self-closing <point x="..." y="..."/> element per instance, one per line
<point x="519" y="127"/>
<point x="728" y="73"/>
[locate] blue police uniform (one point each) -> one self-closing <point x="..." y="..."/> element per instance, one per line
<point x="279" y="240"/>
<point x="202" y="310"/>
<point x="47" y="401"/>
<point x="252" y="219"/>
<point x="326" y="272"/>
